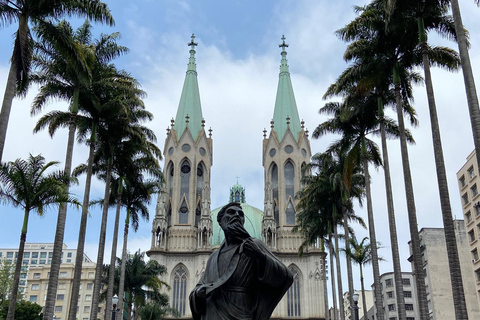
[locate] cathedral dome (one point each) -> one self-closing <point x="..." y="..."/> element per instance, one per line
<point x="253" y="216"/>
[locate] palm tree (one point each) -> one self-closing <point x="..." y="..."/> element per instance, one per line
<point x="25" y="184"/>
<point x="24" y="12"/>
<point x="136" y="195"/>
<point x="65" y="60"/>
<point x="361" y="254"/>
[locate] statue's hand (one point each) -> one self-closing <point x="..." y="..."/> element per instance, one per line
<point x="251" y="249"/>
<point x="202" y="292"/>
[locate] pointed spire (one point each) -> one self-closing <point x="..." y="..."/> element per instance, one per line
<point x="189" y="111"/>
<point x="285" y="105"/>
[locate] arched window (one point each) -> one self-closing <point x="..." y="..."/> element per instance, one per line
<point x="293" y="295"/>
<point x="275" y="193"/>
<point x="170" y="179"/>
<point x="183" y="213"/>
<point x="179" y="299"/>
<point x="185" y="179"/>
<point x="289" y="193"/>
<point x="237" y="196"/>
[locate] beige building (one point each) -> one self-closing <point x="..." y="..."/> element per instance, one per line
<point x="346" y="302"/>
<point x="468" y="183"/>
<point x="38" y="284"/>
<point x="437" y="279"/>
<point x="185" y="230"/>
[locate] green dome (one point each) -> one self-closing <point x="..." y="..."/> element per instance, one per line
<point x="253" y="217"/>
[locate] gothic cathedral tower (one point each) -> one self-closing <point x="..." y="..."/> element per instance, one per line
<point x="285" y="152"/>
<point x="182" y="221"/>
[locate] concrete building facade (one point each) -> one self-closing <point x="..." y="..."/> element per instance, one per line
<point x="468" y="184"/>
<point x="185" y="230"/>
<point x="346" y="302"/>
<point x="437" y="279"/>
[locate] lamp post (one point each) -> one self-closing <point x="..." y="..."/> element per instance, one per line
<point x="355" y="307"/>
<point x="114" y="306"/>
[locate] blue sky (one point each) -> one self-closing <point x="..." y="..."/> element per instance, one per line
<point x="238" y="63"/>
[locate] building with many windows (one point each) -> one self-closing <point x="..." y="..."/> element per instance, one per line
<point x="437" y="273"/>
<point x="387" y="281"/>
<point x="349" y="314"/>
<point x="37" y="255"/>
<point x="468" y="184"/>
<point x="185" y="231"/>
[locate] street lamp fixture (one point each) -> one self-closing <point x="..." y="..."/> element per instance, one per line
<point x="114" y="306"/>
<point x="355" y="307"/>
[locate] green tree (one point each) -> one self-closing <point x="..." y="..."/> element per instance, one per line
<point x="24" y="12"/>
<point x="26" y="184"/>
<point x="157" y="310"/>
<point x="361" y="254"/>
<point x="6" y="279"/>
<point x="24" y="310"/>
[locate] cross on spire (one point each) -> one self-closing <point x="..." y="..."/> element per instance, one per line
<point x="283" y="45"/>
<point x="192" y="43"/>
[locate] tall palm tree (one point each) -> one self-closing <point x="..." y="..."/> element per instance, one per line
<point x="136" y="195"/>
<point x="361" y="254"/>
<point x="64" y="69"/>
<point x="24" y="12"/>
<point x="26" y="184"/>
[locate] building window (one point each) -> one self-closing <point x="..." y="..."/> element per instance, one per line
<point x="180" y="290"/>
<point x="391" y="307"/>
<point x="58" y="308"/>
<point x="390" y="294"/>
<point x="407" y="294"/>
<point x="471" y="235"/>
<point x="33" y="298"/>
<point x="43" y="255"/>
<point x="477" y="274"/>
<point x="471" y="172"/>
<point x="293" y="295"/>
<point x="475" y="255"/>
<point x="63" y="274"/>
<point x="276" y="214"/>
<point x="86" y="309"/>
<point x="289" y="174"/>
<point x="42" y="261"/>
<point x="62" y="286"/>
<point x="392" y="318"/>
<point x="35" y="255"/>
<point x="462" y="181"/>
<point x="89" y="286"/>
<point x="34" y="286"/>
<point x="410" y="318"/>
<point x="474" y="190"/>
<point x="26" y="255"/>
<point x="36" y="275"/>
<point x="476" y="206"/>
<point x="409" y="307"/>
<point x="405" y="281"/>
<point x="9" y="255"/>
<point x="34" y="261"/>
<point x="88" y="297"/>
<point x="91" y="275"/>
<point x="60" y="297"/>
<point x="465" y="199"/>
<point x="69" y="255"/>
<point x="389" y="283"/>
<point x="468" y="217"/>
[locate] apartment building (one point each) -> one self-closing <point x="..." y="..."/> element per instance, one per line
<point x="349" y="310"/>
<point x="437" y="272"/>
<point x="468" y="184"/>
<point x="387" y="282"/>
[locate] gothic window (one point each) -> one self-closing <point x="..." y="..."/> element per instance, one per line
<point x="293" y="295"/>
<point x="170" y="180"/>
<point x="275" y="193"/>
<point x="185" y="179"/>
<point x="198" y="213"/>
<point x="169" y="214"/>
<point x="289" y="193"/>
<point x="179" y="298"/>
<point x="183" y="213"/>
<point x="199" y="179"/>
<point x="237" y="196"/>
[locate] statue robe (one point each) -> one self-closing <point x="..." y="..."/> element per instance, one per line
<point x="237" y="289"/>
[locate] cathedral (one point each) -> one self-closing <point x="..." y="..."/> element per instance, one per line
<point x="185" y="230"/>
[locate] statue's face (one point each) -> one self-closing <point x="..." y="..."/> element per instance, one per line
<point x="232" y="214"/>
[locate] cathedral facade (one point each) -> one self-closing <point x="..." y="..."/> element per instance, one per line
<point x="185" y="230"/>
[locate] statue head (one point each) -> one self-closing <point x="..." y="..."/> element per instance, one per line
<point x="231" y="219"/>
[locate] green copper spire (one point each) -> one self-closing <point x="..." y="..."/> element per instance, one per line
<point x="189" y="111"/>
<point x="286" y="113"/>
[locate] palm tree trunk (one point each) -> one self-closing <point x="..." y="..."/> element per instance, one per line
<point x="121" y="286"/>
<point x="373" y="243"/>
<point x="18" y="268"/>
<point x="397" y="269"/>
<point x="349" y="262"/>
<point x="450" y="239"/>
<point x="332" y="279"/>
<point x="472" y="98"/>
<point x="412" y="214"/>
<point x="72" y="312"/>
<point x="339" y="275"/>
<point x="59" y="233"/>
<point x="325" y="289"/>
<point x="113" y="257"/>
<point x="7" y="106"/>
<point x="364" y="300"/>
<point x="101" y="245"/>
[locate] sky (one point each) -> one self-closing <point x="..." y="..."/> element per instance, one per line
<point x="238" y="61"/>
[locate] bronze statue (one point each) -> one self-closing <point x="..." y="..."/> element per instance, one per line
<point x="242" y="279"/>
